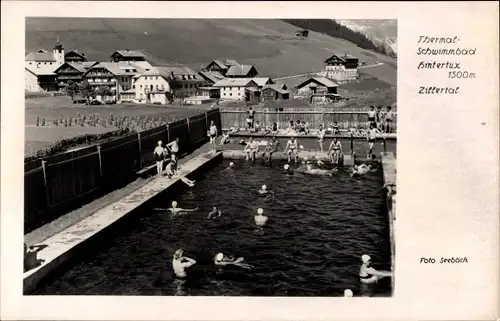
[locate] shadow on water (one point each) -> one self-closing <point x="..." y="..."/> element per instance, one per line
<point x="318" y="228"/>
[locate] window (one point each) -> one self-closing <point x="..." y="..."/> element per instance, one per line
<point x="162" y="87"/>
<point x="133" y="86"/>
<point x="230" y="94"/>
<point x="157" y="78"/>
<point x="140" y="87"/>
<point x="224" y="94"/>
<point x="186" y="86"/>
<point x="157" y="87"/>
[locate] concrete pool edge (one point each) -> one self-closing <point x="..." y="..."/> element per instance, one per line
<point x="62" y="246"/>
<point x="388" y="162"/>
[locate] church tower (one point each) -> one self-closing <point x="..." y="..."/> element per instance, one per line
<point x="58" y="53"/>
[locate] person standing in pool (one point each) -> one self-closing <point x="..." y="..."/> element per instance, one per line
<point x="213" y="136"/>
<point x="291" y="148"/>
<point x="368" y="274"/>
<point x="180" y="263"/>
<point x="371" y="137"/>
<point x="251" y="149"/>
<point x="177" y="210"/>
<point x="260" y="219"/>
<point x="335" y="150"/>
<point x="321" y="137"/>
<point x="159" y="155"/>
<point x="173" y="147"/>
<point x="272" y="147"/>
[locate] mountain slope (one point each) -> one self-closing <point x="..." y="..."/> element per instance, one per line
<point x="269" y="44"/>
<point x="381" y="31"/>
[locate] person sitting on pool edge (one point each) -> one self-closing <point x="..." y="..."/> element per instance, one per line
<point x="251" y="149"/>
<point x="214" y="213"/>
<point x="177" y="210"/>
<point x="256" y="127"/>
<point x="225" y="138"/>
<point x="271" y="147"/>
<point x="171" y="172"/>
<point x="368" y="274"/>
<point x="222" y="260"/>
<point x="180" y="263"/>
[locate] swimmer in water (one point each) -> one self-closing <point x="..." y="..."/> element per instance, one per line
<point x="359" y="170"/>
<point x="263" y="190"/>
<point x="287" y="169"/>
<point x="177" y="210"/>
<point x="251" y="149"/>
<point x="348" y="293"/>
<point x="231" y="165"/>
<point x="369" y="275"/>
<point x="291" y="148"/>
<point x="260" y="219"/>
<point x="221" y="260"/>
<point x="214" y="213"/>
<point x="180" y="263"/>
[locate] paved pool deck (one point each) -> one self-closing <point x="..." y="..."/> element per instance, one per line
<point x="61" y="246"/>
<point x="389" y="170"/>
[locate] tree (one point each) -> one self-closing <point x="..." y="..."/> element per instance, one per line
<point x="71" y="89"/>
<point x="104" y="92"/>
<point x="87" y="91"/>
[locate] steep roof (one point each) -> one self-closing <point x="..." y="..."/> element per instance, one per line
<point x="278" y="88"/>
<point x="320" y="80"/>
<point x="261" y="81"/>
<point x="119" y="68"/>
<point x="231" y="62"/>
<point x="239" y="70"/>
<point x="80" y="66"/>
<point x="235" y="82"/>
<point x="129" y="53"/>
<point x="219" y="63"/>
<point x="213" y="76"/>
<point x="75" y="52"/>
<point x="340" y="57"/>
<point x="40" y="55"/>
<point x="41" y="70"/>
<point x="173" y="72"/>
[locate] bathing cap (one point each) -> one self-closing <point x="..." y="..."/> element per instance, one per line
<point x="260" y="211"/>
<point x="348" y="293"/>
<point x="301" y="147"/>
<point x="305" y="158"/>
<point x="365" y="258"/>
<point x="231" y="164"/>
<point x="219" y="257"/>
<point x="174" y="204"/>
<point x="286" y="166"/>
<point x="159" y="142"/>
<point x="264" y="187"/>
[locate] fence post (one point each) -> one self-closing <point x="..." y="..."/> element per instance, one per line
<point x="140" y="150"/>
<point x="100" y="158"/>
<point x="44" y="168"/>
<point x="188" y="137"/>
<point x="385" y="146"/>
<point x="352" y="144"/>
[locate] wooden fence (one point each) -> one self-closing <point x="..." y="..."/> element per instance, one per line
<point x="62" y="182"/>
<point x="236" y="117"/>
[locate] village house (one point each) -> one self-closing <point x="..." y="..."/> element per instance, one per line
<point x="74" y="56"/>
<point x="317" y="85"/>
<point x="237" y="88"/>
<point x="275" y="92"/>
<point x="160" y="83"/>
<point x="302" y="33"/>
<point x="221" y="66"/>
<point x="72" y="71"/>
<point x="210" y="77"/>
<point x="40" y="78"/>
<point x="133" y="56"/>
<point x="342" y="68"/>
<point x="242" y="71"/>
<point x="46" y="58"/>
<point x="115" y="76"/>
<point x="208" y="92"/>
<point x="263" y="81"/>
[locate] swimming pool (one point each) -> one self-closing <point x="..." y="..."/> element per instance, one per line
<point x="318" y="228"/>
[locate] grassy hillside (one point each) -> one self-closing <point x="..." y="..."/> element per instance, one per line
<point x="269" y="44"/>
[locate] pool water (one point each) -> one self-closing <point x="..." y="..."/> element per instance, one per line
<point x="318" y="228"/>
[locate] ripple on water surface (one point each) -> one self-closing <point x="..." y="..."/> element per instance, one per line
<point x="318" y="228"/>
